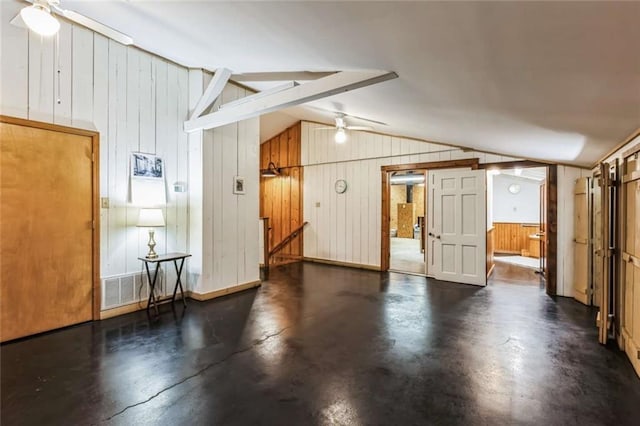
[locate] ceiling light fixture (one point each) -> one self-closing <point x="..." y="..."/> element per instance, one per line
<point x="341" y="136"/>
<point x="38" y="18"/>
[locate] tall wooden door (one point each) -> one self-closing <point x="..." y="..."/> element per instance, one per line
<point x="581" y="283"/>
<point x="630" y="315"/>
<point x="457" y="230"/>
<point x="597" y="235"/>
<point x="47" y="228"/>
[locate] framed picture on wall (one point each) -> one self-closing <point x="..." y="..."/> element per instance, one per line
<point x="146" y="166"/>
<point x="238" y="185"/>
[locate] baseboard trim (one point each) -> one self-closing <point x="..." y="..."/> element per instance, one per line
<point x="201" y="297"/>
<point x="337" y="263"/>
<point x="122" y="310"/>
<point x="223" y="292"/>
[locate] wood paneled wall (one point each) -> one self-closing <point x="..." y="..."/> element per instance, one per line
<point x="513" y="237"/>
<point x="281" y="196"/>
<point x="490" y="250"/>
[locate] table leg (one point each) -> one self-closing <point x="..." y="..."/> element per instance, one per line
<point x="152" y="287"/>
<point x="178" y="282"/>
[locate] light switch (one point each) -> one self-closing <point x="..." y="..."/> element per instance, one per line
<point x="104" y="202"/>
<point x="317" y="203"/>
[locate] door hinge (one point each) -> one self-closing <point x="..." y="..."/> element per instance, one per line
<point x="93" y="224"/>
<point x="93" y="157"/>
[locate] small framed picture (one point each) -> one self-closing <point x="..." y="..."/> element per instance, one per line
<point x="238" y="185"/>
<point x="146" y="166"/>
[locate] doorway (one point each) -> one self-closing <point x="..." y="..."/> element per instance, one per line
<point x="407" y="221"/>
<point x="516" y="224"/>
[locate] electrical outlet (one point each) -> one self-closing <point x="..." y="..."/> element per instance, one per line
<point x="104" y="202"/>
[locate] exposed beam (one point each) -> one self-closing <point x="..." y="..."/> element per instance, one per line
<point x="327" y="86"/>
<point x="260" y="95"/>
<point x="215" y="87"/>
<point x="280" y="76"/>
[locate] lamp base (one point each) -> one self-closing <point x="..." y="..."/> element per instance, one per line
<point x="152" y="243"/>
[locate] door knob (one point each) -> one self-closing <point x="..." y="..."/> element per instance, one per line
<point x="438" y="236"/>
<point x="431" y="234"/>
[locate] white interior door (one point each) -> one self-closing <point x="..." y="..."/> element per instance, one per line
<point x="457" y="226"/>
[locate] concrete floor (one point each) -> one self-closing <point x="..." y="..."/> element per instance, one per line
<point x="322" y="344"/>
<point x="406" y="256"/>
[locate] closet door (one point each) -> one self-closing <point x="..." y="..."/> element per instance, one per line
<point x="630" y="309"/>
<point x="46" y="227"/>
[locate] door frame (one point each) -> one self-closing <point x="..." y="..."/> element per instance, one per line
<point x="551" y="275"/>
<point x="95" y="143"/>
<point x="385" y="249"/>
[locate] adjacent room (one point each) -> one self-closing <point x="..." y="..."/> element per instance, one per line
<point x="311" y="212"/>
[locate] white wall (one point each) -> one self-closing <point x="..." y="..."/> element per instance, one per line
<point x="523" y="207"/>
<point x="138" y="102"/>
<point x="346" y="227"/>
<point x="135" y="100"/>
<point x="223" y="225"/>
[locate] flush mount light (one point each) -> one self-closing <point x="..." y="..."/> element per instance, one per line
<point x="341" y="136"/>
<point x="38" y="18"/>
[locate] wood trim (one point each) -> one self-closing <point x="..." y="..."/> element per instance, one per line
<point x="47" y="126"/>
<point x="631" y="176"/>
<point x="473" y="163"/>
<point x="514" y="164"/>
<point x="201" y="297"/>
<point x="385" y="251"/>
<point x="142" y="305"/>
<point x="338" y="263"/>
<point x="95" y="146"/>
<point x="551" y="276"/>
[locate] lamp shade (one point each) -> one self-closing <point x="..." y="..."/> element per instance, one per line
<point x="150" y="218"/>
<point x="39" y="19"/>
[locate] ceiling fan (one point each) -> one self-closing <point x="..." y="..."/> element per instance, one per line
<point x="341" y="126"/>
<point x="39" y="19"/>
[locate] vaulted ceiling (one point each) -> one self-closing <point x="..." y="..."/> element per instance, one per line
<point x="555" y="81"/>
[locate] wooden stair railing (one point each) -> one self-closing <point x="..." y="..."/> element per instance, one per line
<point x="286" y="240"/>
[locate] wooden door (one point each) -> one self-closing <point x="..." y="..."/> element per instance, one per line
<point x="581" y="284"/>
<point x="630" y="315"/>
<point x="597" y="245"/>
<point x="458" y="231"/>
<point x="608" y="236"/>
<point x="48" y="245"/>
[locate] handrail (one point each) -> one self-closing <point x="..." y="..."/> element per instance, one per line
<point x="286" y="240"/>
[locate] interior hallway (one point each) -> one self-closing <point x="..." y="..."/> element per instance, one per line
<point x="320" y="344"/>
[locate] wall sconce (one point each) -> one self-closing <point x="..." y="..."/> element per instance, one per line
<point x="271" y="171"/>
<point x="150" y="218"/>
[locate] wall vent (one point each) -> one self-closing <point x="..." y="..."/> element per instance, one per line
<point x="125" y="289"/>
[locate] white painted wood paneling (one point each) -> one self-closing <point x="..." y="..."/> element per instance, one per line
<point x="346" y="228"/>
<point x="136" y="101"/>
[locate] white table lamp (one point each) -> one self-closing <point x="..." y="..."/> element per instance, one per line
<point x="151" y="218"/>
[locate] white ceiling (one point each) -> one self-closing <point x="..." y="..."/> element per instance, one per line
<point x="547" y="80"/>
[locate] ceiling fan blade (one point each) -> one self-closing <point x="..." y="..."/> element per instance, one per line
<point x="359" y="128"/>
<point x="94" y="25"/>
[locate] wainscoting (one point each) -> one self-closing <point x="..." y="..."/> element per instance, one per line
<point x="513" y="237"/>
